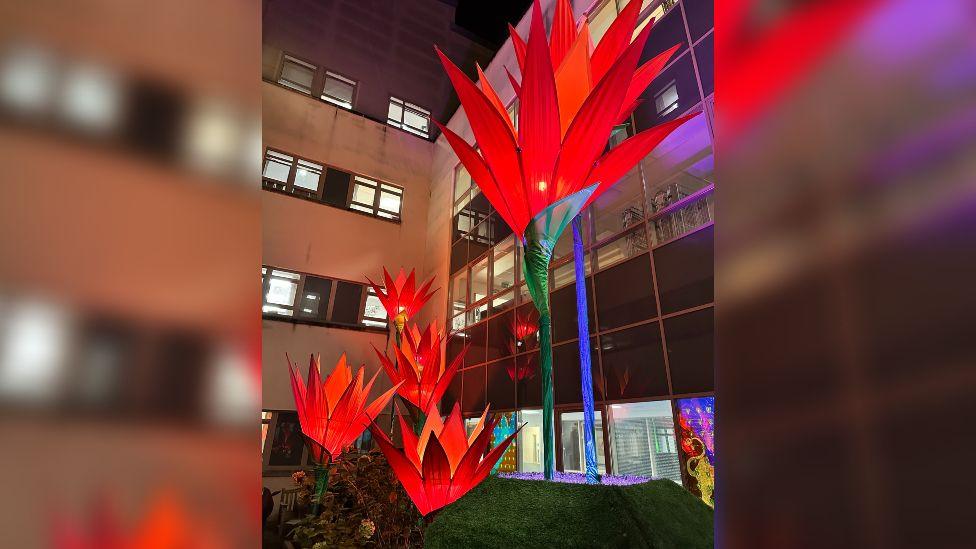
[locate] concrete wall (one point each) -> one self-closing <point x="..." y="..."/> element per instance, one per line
<point x="323" y="240"/>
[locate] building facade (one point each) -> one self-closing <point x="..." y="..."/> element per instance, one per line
<point x="648" y="241"/>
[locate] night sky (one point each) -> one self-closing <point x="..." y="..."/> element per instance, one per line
<point x="488" y="19"/>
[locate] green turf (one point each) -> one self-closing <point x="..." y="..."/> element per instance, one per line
<point x="526" y="514"/>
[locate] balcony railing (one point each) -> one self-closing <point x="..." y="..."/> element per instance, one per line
<point x="683" y="216"/>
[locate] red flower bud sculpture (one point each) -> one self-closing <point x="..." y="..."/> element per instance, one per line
<point x="442" y="464"/>
<point x="401" y="298"/>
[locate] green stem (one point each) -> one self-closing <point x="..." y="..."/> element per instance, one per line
<point x="321" y="485"/>
<point x="537" y="251"/>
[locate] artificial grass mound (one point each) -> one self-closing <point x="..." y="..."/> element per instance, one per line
<point x="526" y="514"/>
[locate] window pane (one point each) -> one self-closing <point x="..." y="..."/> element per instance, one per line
<point x="462" y="182"/>
<point x="691" y="351"/>
<point x="601" y="19"/>
<point x="307" y="176"/>
<point x="297" y="75"/>
<point x="701" y="16"/>
<point x="416" y="120"/>
<point x="567" y="388"/>
<point x="503" y="302"/>
<point x="459" y="290"/>
<point x="338" y="90"/>
<point x="363" y="193"/>
<point x="679" y="165"/>
<point x="530" y="441"/>
<point x="501" y="342"/>
<point x="624" y="293"/>
<point x="473" y="390"/>
<point x="574" y="456"/>
<point x="287" y="445"/>
<point x="390" y="202"/>
<point x="563" y="303"/>
<point x="666" y="33"/>
<point x="686" y="271"/>
<point x="479" y="280"/>
<point x="396" y="112"/>
<point x="348" y="296"/>
<point x="315" y="298"/>
<point x="374" y="314"/>
<point x="277" y="166"/>
<point x="633" y="363"/>
<point x="504" y="266"/>
<point x="281" y="292"/>
<point x="621" y="249"/>
<point x="672" y="93"/>
<point x="642" y="440"/>
<point x="705" y="57"/>
<point x="478" y="343"/>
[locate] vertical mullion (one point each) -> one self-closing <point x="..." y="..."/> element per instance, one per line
<point x="332" y="292"/>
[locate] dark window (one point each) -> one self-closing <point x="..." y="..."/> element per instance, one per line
<point x="667" y="32"/>
<point x="336" y="187"/>
<point x="691" y="351"/>
<point x="624" y="293"/>
<point x="287" y="445"/>
<point x="474" y="390"/>
<point x="633" y="363"/>
<point x="566" y="373"/>
<point x="673" y="92"/>
<point x="563" y="303"/>
<point x="314" y="302"/>
<point x="348" y="298"/>
<point x="459" y="255"/>
<point x="528" y="380"/>
<point x="501" y="385"/>
<point x="705" y="56"/>
<point x="501" y="343"/>
<point x="685" y="271"/>
<point x="455" y="344"/>
<point x="700" y="15"/>
<point x="498" y="229"/>
<point x="478" y="341"/>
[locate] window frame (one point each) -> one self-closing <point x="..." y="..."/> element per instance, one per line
<point x="379" y="188"/>
<point x="295" y="86"/>
<point x="404" y="107"/>
<point x="334" y="100"/>
<point x="289" y="187"/>
<point x="328" y="322"/>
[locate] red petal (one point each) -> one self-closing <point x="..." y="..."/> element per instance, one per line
<point x="519" y="45"/>
<point x="405" y="472"/>
<point x="493" y="97"/>
<point x="515" y="85"/>
<point x="539" y="134"/>
<point x="616" y="39"/>
<point x="562" y="32"/>
<point x="587" y="136"/>
<point x="436" y="475"/>
<point x="508" y="202"/>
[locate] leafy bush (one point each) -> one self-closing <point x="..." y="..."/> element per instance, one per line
<point x="365" y="507"/>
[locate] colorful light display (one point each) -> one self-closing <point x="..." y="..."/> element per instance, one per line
<point x="696" y="422"/>
<point x="401" y="298"/>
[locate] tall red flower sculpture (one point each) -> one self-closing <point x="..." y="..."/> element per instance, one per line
<point x="401" y="298"/>
<point x="443" y="463"/>
<point x="418" y="368"/>
<point x="333" y="414"/>
<point x="542" y="175"/>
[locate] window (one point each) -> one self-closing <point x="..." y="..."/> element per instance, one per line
<point x="265" y="424"/>
<point x="297" y="74"/>
<point x="666" y="100"/>
<point x="280" y="288"/>
<point x="409" y="117"/>
<point x="513" y="111"/>
<point x="642" y="440"/>
<point x="503" y="265"/>
<point x="375" y="198"/>
<point x="373" y="312"/>
<point x="338" y="90"/>
<point x="319" y="300"/>
<point x="283" y="172"/>
<point x="573" y="448"/>
<point x="529" y="441"/>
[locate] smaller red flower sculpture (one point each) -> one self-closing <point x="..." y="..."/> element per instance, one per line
<point x="442" y="464"/>
<point x="522" y="327"/>
<point x="334" y="413"/>
<point x="401" y="298"/>
<point x="519" y="372"/>
<point x="418" y="368"/>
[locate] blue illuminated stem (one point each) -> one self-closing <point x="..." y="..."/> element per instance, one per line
<point x="586" y="378"/>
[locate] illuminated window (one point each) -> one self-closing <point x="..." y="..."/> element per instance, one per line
<point x="666" y="100"/>
<point x="513" y="111"/>
<point x="529" y="441"/>
<point x="373" y="312"/>
<point x="338" y="90"/>
<point x="642" y="440"/>
<point x="265" y="423"/>
<point x="409" y="117"/>
<point x="280" y="288"/>
<point x="283" y="173"/>
<point x="297" y="74"/>
<point x="573" y="448"/>
<point x="379" y="199"/>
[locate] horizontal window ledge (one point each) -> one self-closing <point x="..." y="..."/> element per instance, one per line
<point x="315" y="200"/>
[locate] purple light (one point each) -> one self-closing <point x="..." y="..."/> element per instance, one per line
<point x="579" y="478"/>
